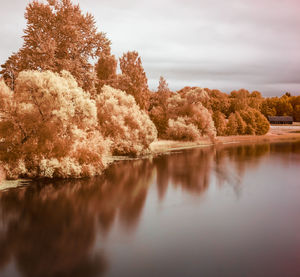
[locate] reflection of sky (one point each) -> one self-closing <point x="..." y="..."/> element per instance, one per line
<point x="252" y="44"/>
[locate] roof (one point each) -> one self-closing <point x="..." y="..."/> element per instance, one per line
<point x="280" y="118"/>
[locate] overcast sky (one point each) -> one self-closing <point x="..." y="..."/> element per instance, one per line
<point x="232" y="44"/>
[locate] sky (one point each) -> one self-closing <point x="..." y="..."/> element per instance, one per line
<point x="226" y="45"/>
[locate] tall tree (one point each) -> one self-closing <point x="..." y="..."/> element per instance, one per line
<point x="159" y="106"/>
<point x="163" y="85"/>
<point x="106" y="70"/>
<point x="58" y="36"/>
<point x="134" y="80"/>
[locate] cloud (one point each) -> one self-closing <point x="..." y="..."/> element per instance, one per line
<point x="219" y="44"/>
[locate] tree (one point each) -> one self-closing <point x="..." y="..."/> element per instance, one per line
<point x="232" y="125"/>
<point x="218" y="101"/>
<point x="255" y="100"/>
<point x="158" y="106"/>
<point x="49" y="128"/>
<point x="268" y="106"/>
<point x="288" y="94"/>
<point x="283" y="106"/>
<point x="133" y="79"/>
<point x="295" y="102"/>
<point x="163" y="85"/>
<point x="106" y="70"/>
<point x="236" y="124"/>
<point x="58" y="37"/>
<point x="220" y="123"/>
<point x="247" y="122"/>
<point x="195" y="95"/>
<point x="256" y="122"/>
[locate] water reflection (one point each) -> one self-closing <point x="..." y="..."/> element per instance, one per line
<point x="123" y="192"/>
<point x="231" y="163"/>
<point x="51" y="228"/>
<point x="189" y="170"/>
<point x="48" y="235"/>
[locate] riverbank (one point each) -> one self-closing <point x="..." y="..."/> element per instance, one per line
<point x="276" y="134"/>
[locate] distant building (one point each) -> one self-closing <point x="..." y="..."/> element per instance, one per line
<point x="280" y="119"/>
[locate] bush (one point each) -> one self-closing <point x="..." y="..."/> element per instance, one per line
<point x="49" y="128"/>
<point x="180" y="129"/>
<point x="188" y="106"/>
<point x="124" y="123"/>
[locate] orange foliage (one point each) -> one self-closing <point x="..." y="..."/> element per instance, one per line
<point x="124" y="123"/>
<point x="247" y="122"/>
<point x="134" y="79"/>
<point x="181" y="115"/>
<point x="186" y="113"/>
<point x="158" y="111"/>
<point x="58" y="37"/>
<point x="49" y="128"/>
<point x="106" y="70"/>
<point x="220" y="123"/>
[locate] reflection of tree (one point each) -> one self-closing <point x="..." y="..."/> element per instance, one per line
<point x="288" y="148"/>
<point x="124" y="191"/>
<point x="243" y="156"/>
<point x="51" y="228"/>
<point x="45" y="235"/>
<point x="189" y="169"/>
<point x="232" y="161"/>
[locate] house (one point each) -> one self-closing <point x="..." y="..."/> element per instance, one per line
<point x="280" y="119"/>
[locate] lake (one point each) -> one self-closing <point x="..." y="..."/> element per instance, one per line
<point x="222" y="211"/>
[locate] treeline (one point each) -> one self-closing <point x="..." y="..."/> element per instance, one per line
<point x="280" y="106"/>
<point x="193" y="112"/>
<point x="64" y="108"/>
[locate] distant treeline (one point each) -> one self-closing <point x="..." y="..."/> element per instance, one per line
<point x="62" y="115"/>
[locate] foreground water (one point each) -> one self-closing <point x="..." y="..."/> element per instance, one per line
<point x="230" y="211"/>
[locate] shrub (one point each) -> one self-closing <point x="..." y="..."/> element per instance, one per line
<point x="180" y="129"/>
<point x="124" y="123"/>
<point x="188" y="105"/>
<point x="49" y="128"/>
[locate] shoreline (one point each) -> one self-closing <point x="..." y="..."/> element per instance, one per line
<point x="276" y="134"/>
<point x="160" y="147"/>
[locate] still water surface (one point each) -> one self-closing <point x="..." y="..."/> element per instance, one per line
<point x="229" y="211"/>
